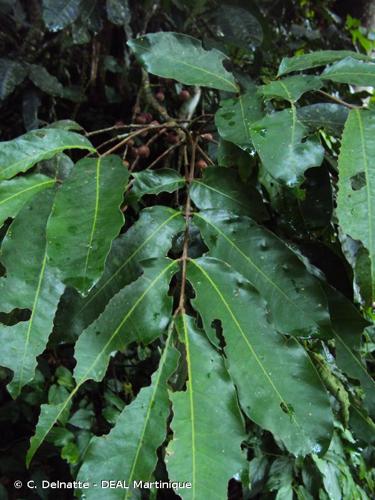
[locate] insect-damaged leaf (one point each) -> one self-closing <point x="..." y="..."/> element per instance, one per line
<point x="282" y="393"/>
<point x="206" y="421"/>
<point x="356" y="196"/>
<point x="295" y="297"/>
<point x="182" y="57"/>
<point x="278" y="139"/>
<point x="317" y="58"/>
<point x="80" y="237"/>
<point x="30" y="284"/>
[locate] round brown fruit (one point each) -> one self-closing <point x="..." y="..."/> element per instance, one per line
<point x="207" y="137"/>
<point x="160" y="96"/>
<point x="141" y="119"/>
<point x="201" y="164"/>
<point x="143" y="151"/>
<point x="184" y="95"/>
<point x="172" y="138"/>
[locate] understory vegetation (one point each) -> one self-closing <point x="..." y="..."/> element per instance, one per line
<point x="187" y="260"/>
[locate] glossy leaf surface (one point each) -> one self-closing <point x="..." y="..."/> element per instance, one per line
<point x="88" y="231"/>
<point x="173" y="55"/>
<point x="282" y="394"/>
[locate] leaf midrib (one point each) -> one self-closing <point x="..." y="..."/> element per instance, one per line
<point x="180" y="61"/>
<point x="265" y="276"/>
<point x="30" y="188"/>
<point x="249" y="345"/>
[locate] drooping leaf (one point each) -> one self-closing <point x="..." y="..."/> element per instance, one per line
<point x="206" y="421"/>
<point x="12" y="73"/>
<point x="139" y="312"/>
<point x="235" y="115"/>
<point x="181" y="57"/>
<point x="282" y="393"/>
<point x="291" y="88"/>
<point x="296" y="299"/>
<point x="18" y="155"/>
<point x="150" y="237"/>
<point x="42" y="79"/>
<point x="351" y="71"/>
<point x="129" y="450"/>
<point x="355" y="200"/>
<point x="317" y="58"/>
<point x="16" y="192"/>
<point x="222" y="188"/>
<point x="348" y="326"/>
<point x="330" y="116"/>
<point x="278" y="138"/>
<point x="58" y="14"/>
<point x="156" y="181"/>
<point x="29" y="284"/>
<point x="80" y="238"/>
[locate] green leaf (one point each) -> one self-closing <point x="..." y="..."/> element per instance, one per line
<point x="348" y="326"/>
<point x="31" y="284"/>
<point x="351" y="71"/>
<point x="150" y="237"/>
<point x="234" y="117"/>
<point x="206" y="421"/>
<point x="292" y="88"/>
<point x="16" y="192"/>
<point x="355" y="200"/>
<point x="12" y="73"/>
<point x="315" y="59"/>
<point x="46" y="82"/>
<point x="18" y="155"/>
<point x="278" y="386"/>
<point x="58" y="14"/>
<point x="222" y="188"/>
<point x="239" y="27"/>
<point x="118" y="12"/>
<point x="296" y="299"/>
<point x="139" y="312"/>
<point x="129" y="450"/>
<point x="156" y="181"/>
<point x="181" y="57"/>
<point x="80" y="237"/>
<point x="330" y="116"/>
<point x="278" y="140"/>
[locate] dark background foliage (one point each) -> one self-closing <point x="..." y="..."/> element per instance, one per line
<point x="79" y="68"/>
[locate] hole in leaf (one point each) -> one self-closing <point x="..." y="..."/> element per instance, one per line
<point x="358" y="181"/>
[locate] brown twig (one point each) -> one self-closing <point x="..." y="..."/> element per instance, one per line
<point x="185" y="256"/>
<point x="338" y="100"/>
<point x="205" y="155"/>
